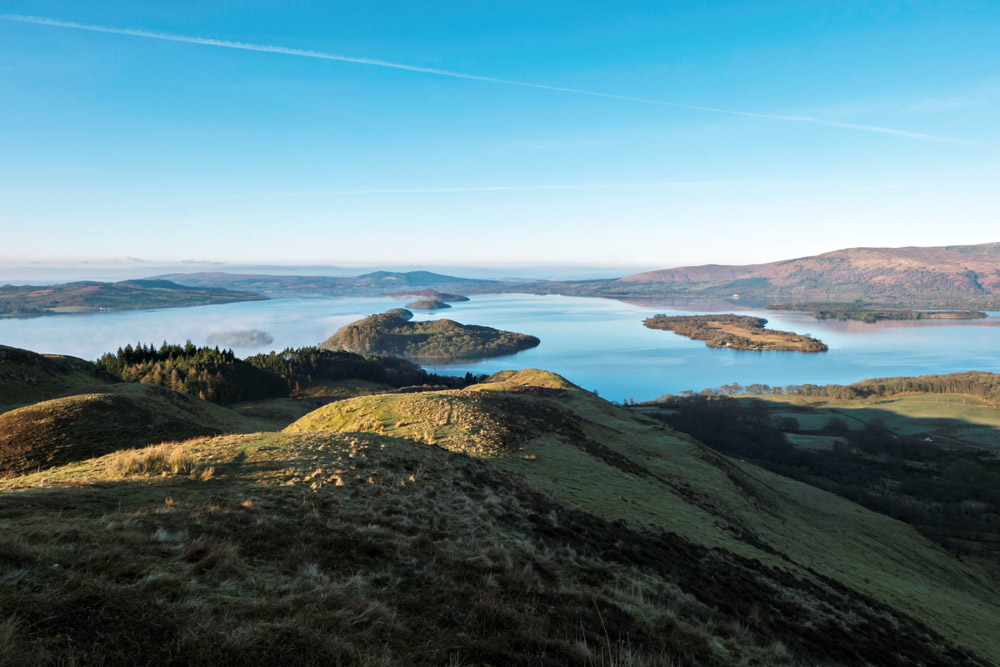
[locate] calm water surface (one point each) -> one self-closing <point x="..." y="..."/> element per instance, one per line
<point x="596" y="343"/>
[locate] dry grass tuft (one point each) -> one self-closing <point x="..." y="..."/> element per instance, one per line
<point x="165" y="459"/>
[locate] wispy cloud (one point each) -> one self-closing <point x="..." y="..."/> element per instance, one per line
<point x="657" y="185"/>
<point x="283" y="50"/>
<point x="981" y="95"/>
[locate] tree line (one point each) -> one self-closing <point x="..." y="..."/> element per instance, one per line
<point x="985" y="386"/>
<point x="219" y="376"/>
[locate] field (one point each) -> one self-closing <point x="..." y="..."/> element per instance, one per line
<point x="948" y="419"/>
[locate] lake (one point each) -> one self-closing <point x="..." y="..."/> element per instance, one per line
<point x="600" y="344"/>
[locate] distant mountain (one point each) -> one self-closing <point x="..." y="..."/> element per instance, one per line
<point x="949" y="272"/>
<point x="930" y="277"/>
<point x="78" y="297"/>
<point x="368" y="284"/>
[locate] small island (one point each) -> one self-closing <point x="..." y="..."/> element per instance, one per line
<point x="873" y="314"/>
<point x="436" y="341"/>
<point x="401" y="313"/>
<point x="427" y="304"/>
<point x="738" y="332"/>
<point x="430" y="294"/>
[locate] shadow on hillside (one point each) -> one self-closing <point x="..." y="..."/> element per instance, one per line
<point x="939" y="474"/>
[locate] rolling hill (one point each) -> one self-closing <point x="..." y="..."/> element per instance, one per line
<point x="926" y="274"/>
<point x="603" y="459"/>
<point x="27" y="377"/>
<point x="542" y="526"/>
<point x="114" y="417"/>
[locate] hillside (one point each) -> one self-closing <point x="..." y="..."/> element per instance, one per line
<point x="27" y="377"/>
<point x="912" y="273"/>
<point x="584" y="534"/>
<point x="81" y="297"/>
<point x="929" y="459"/>
<point x="605" y="460"/>
<point x="118" y="416"/>
<point x="438" y="340"/>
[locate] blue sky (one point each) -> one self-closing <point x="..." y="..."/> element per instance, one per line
<point x="789" y="129"/>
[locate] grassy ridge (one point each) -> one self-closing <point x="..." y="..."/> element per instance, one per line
<point x="520" y="520"/>
<point x="118" y="416"/>
<point x="27" y="377"/>
<point x="370" y="550"/>
<point x="604" y="460"/>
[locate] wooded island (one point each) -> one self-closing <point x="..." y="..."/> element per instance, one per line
<point x="739" y="332"/>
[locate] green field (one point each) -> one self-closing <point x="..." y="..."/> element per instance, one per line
<point x="948" y="419"/>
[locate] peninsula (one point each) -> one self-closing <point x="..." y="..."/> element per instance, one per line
<point x="872" y="314"/>
<point x="88" y="296"/>
<point x="740" y="332"/>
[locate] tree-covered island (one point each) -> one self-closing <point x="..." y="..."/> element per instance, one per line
<point x="739" y="332"/>
<point x="439" y="340"/>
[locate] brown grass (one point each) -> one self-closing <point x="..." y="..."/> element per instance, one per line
<point x="164" y="459"/>
<point x="340" y="549"/>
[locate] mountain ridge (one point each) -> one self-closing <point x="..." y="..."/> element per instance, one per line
<point x="957" y="271"/>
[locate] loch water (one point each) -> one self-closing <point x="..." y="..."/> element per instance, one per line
<point x="599" y="344"/>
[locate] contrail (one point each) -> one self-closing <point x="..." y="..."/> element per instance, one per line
<point x="283" y="50"/>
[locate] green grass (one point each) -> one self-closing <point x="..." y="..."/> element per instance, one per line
<point x="27" y="377"/>
<point x="520" y="521"/>
<point x="365" y="549"/>
<point x="118" y="416"/>
<point x="946" y="418"/>
<point x="610" y="462"/>
<point x="813" y="441"/>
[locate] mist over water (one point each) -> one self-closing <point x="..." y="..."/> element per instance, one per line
<point x="596" y="343"/>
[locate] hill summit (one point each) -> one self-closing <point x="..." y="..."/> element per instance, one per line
<point x="946" y="272"/>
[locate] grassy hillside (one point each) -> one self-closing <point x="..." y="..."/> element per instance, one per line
<point x="114" y="417"/>
<point x="361" y="549"/>
<point x="521" y="520"/>
<point x="79" y="297"/>
<point x="605" y="460"/>
<point x="27" y="377"/>
<point x="438" y="340"/>
<point x="948" y="419"/>
<point x="931" y="460"/>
